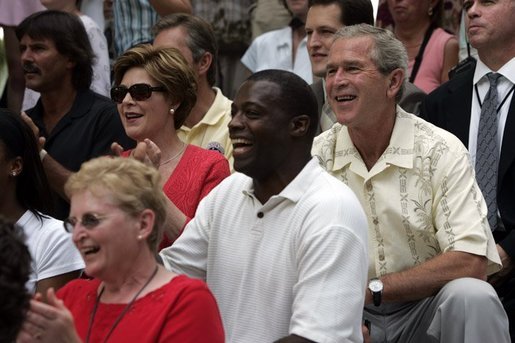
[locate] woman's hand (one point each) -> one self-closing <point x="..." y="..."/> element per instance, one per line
<point x="116" y="149"/>
<point x="50" y="322"/>
<point x="147" y="152"/>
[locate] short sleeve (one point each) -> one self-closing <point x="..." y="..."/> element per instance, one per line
<point x="55" y="252"/>
<point x="250" y="58"/>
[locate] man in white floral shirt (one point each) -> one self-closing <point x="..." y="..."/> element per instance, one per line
<point x="430" y="246"/>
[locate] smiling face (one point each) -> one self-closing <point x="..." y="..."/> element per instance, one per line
<point x="148" y="118"/>
<point x="357" y="92"/>
<point x="259" y="129"/>
<point x="321" y="24"/>
<point x="107" y="247"/>
<point x="44" y="67"/>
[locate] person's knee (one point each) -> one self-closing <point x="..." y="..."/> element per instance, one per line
<point x="469" y="293"/>
<point x="473" y="308"/>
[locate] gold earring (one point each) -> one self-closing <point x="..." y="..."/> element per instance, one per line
<point x="430" y="11"/>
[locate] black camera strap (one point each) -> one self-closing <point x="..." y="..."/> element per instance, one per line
<point x="418" y="59"/>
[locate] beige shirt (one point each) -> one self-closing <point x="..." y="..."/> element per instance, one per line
<point x="212" y="131"/>
<point x="421" y="197"/>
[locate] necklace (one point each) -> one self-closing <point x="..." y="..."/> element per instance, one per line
<point x="122" y="314"/>
<point x="175" y="156"/>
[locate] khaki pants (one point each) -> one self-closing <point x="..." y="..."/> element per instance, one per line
<point x="465" y="310"/>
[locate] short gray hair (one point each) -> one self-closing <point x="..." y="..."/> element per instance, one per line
<point x="388" y="53"/>
<point x="129" y="184"/>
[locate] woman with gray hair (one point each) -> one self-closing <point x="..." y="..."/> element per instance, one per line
<point x="116" y="220"/>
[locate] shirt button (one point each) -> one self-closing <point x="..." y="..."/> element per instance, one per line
<point x="369" y="186"/>
<point x="260" y="215"/>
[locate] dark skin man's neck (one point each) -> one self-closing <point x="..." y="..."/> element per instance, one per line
<point x="273" y="184"/>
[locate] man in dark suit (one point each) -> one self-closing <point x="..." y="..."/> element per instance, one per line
<point x="325" y="17"/>
<point x="456" y="107"/>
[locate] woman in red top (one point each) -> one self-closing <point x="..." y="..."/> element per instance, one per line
<point x="155" y="91"/>
<point x="116" y="218"/>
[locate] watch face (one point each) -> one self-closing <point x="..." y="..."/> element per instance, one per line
<point x="375" y="285"/>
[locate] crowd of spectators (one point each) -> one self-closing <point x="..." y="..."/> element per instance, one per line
<point x="257" y="171"/>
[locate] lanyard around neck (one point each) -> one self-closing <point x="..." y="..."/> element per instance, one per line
<point x="502" y="102"/>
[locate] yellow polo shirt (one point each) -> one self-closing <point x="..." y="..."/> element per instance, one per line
<point x="212" y="132"/>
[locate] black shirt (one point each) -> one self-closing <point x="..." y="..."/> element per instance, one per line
<point x="85" y="132"/>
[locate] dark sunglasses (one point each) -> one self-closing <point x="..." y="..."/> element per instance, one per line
<point x="89" y="221"/>
<point x="138" y="91"/>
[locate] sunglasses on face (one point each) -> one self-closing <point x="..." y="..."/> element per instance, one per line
<point x="89" y="221"/>
<point x="138" y="91"/>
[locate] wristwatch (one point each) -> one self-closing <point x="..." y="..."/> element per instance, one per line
<point x="376" y="288"/>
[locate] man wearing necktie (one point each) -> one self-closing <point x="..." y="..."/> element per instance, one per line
<point x="478" y="106"/>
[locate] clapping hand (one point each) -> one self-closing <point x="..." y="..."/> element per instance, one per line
<point x="48" y="322"/>
<point x="146" y="151"/>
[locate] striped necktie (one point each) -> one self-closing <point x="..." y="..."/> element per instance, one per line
<point x="487" y="153"/>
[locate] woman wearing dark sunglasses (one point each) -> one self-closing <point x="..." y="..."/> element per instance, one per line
<point x="24" y="198"/>
<point x="155" y="89"/>
<point x="117" y="215"/>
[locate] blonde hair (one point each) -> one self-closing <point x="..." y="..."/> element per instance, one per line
<point x="132" y="186"/>
<point x="169" y="68"/>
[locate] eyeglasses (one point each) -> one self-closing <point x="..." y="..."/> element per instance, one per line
<point x="138" y="91"/>
<point x="89" y="221"/>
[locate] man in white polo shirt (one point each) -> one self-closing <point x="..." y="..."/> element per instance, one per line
<point x="281" y="243"/>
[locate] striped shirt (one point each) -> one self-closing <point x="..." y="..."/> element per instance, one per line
<point x="133" y="21"/>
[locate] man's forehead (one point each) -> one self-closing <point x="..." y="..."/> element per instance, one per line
<point x="37" y="39"/>
<point x="352" y="45"/>
<point x="171" y="37"/>
<point x="259" y="91"/>
<point x="325" y="14"/>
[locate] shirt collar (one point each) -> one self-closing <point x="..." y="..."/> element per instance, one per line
<point x="218" y="108"/>
<point x="295" y="189"/>
<point x="399" y="151"/>
<point x="507" y="70"/>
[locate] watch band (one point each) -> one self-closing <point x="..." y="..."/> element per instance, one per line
<point x="376" y="297"/>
